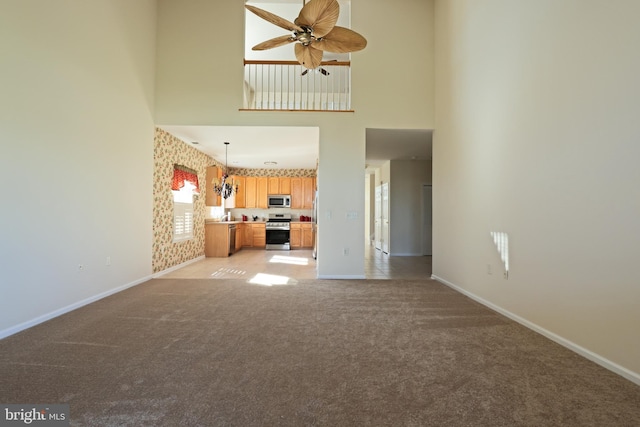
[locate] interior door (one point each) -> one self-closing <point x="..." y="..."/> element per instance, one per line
<point x="385" y="217"/>
<point x="377" y="238"/>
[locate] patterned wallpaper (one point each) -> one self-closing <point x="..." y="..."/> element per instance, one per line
<point x="294" y="173"/>
<point x="167" y="151"/>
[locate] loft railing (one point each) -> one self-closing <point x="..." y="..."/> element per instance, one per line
<point x="288" y="86"/>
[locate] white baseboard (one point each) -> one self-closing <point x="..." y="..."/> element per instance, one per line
<point x="176" y="267"/>
<point x="588" y="354"/>
<point x="40" y="319"/>
<point x="338" y="276"/>
<point x="405" y="254"/>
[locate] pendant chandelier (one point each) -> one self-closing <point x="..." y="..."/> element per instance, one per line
<point x="225" y="186"/>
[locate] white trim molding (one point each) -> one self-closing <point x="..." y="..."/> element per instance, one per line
<point x="40" y="319"/>
<point x="588" y="354"/>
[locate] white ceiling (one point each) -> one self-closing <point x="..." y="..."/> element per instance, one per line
<point x="295" y="147"/>
<point x="397" y="144"/>
<point x="292" y="147"/>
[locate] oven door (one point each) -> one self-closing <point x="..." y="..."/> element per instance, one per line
<point x="278" y="239"/>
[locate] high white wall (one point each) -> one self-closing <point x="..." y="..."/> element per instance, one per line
<point x="537" y="135"/>
<point x="199" y="82"/>
<point x="76" y="153"/>
<point x="405" y="197"/>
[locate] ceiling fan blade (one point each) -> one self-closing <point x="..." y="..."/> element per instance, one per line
<point x="274" y="19"/>
<point x="341" y="40"/>
<point x="275" y="42"/>
<point x="308" y="56"/>
<point x="321" y="15"/>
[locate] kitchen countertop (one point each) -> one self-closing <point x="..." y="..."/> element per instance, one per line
<point x="213" y="221"/>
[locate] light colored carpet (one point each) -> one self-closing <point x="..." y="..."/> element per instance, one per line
<point x="178" y="352"/>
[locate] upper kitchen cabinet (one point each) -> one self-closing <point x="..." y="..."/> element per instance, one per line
<point x="302" y="193"/>
<point x="256" y="192"/>
<point x="279" y="185"/>
<point x="251" y="192"/>
<point x="285" y="185"/>
<point x="211" y="198"/>
<point x="274" y="185"/>
<point x="238" y="198"/>
<point x="262" y="191"/>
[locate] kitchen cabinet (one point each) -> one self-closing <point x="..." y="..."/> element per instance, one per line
<point x="239" y="235"/>
<point x="301" y="235"/>
<point x="256" y="192"/>
<point x="261" y="192"/>
<point x="302" y="193"/>
<point x="247" y="235"/>
<point x="296" y="193"/>
<point x="211" y="198"/>
<point x="274" y="185"/>
<point x="307" y="236"/>
<point x="254" y="235"/>
<point x="285" y="185"/>
<point x="295" y="235"/>
<point x="308" y="192"/>
<point x="237" y="200"/>
<point x="251" y="192"/>
<point x="216" y="239"/>
<point x="259" y="235"/>
<point x="279" y="185"/>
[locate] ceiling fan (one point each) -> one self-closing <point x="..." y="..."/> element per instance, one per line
<point x="315" y="30"/>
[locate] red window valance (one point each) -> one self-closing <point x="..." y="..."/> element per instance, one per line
<point x="182" y="174"/>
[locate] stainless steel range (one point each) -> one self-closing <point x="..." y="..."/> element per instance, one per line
<point x="278" y="228"/>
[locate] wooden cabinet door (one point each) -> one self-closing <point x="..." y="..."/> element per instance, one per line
<point x="295" y="236"/>
<point x="251" y="192"/>
<point x="247" y="235"/>
<point x="274" y="185"/>
<point x="261" y="192"/>
<point x="239" y="235"/>
<point x="216" y="240"/>
<point x="307" y="236"/>
<point x="285" y="185"/>
<point x="259" y="235"/>
<point x="240" y="200"/>
<point x="308" y="191"/>
<point x="297" y="197"/>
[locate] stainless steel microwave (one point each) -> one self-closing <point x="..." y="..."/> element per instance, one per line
<point x="279" y="201"/>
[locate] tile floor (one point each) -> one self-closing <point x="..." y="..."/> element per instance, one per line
<point x="298" y="264"/>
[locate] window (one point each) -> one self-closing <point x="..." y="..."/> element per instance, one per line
<point x="183" y="213"/>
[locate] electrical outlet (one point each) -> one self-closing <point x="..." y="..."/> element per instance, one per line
<point x="80" y="267"/>
<point x="108" y="262"/>
<point x="489" y="269"/>
<point x="345" y="251"/>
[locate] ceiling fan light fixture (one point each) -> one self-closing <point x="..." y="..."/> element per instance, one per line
<point x="316" y="31"/>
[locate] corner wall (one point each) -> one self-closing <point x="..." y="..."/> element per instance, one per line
<point x="536" y="135"/>
<point x="169" y="150"/>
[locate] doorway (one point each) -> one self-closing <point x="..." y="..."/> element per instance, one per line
<point x="427" y="219"/>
